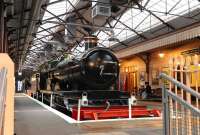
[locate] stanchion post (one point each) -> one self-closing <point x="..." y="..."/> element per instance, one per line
<point x="182" y="96"/>
<point x="37" y="95"/>
<point x="197" y="100"/>
<point x="170" y="108"/>
<point x="79" y="110"/>
<point x="51" y="100"/>
<point x="42" y="97"/>
<point x="129" y="108"/>
<point x="166" y="115"/>
<point x="188" y="98"/>
<point x="176" y="103"/>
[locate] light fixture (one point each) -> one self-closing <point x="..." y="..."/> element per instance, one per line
<point x="126" y="70"/>
<point x="161" y="55"/>
<point x="91" y="64"/>
<point x="19" y="73"/>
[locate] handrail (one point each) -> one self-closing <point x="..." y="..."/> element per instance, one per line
<point x="3" y="73"/>
<point x="180" y="85"/>
<point x="183" y="102"/>
<point x="166" y="101"/>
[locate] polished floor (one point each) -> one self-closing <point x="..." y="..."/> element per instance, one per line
<point x="32" y="119"/>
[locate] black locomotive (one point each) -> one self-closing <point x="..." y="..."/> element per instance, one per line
<point x="94" y="75"/>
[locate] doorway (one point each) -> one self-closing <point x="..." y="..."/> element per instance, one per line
<point x="132" y="82"/>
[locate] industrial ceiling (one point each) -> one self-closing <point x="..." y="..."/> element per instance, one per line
<point x="35" y="25"/>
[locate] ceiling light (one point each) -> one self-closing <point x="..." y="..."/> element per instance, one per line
<point x="161" y="55"/>
<point x="126" y="70"/>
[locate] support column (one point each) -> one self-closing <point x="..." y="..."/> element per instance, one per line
<point x="146" y="59"/>
<point x="1" y="26"/>
<point x="147" y="67"/>
<point x="5" y="41"/>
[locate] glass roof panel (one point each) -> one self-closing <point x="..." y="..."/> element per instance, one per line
<point x="135" y="19"/>
<point x="69" y="6"/>
<point x="57" y="8"/>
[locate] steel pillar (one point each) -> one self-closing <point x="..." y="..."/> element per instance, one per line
<point x="1" y="26"/>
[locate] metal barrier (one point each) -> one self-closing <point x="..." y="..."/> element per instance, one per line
<point x="83" y="109"/>
<point x="181" y="114"/>
<point x="3" y="73"/>
<point x="78" y="103"/>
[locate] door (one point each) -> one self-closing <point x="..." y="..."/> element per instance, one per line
<point x="132" y="82"/>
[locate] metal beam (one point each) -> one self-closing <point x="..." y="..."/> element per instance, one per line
<point x="144" y="8"/>
<point x="61" y="21"/>
<point x="1" y="26"/>
<point x="15" y="14"/>
<point x="174" y="6"/>
<point x="46" y="20"/>
<point x="19" y="31"/>
<point x="51" y="3"/>
<point x="16" y="28"/>
<point x="35" y="11"/>
<point x="48" y="28"/>
<point x="80" y="15"/>
<point x="29" y="9"/>
<point x="140" y="35"/>
<point x="66" y="13"/>
<point x="142" y="21"/>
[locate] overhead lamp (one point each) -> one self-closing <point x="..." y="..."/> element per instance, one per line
<point x="161" y="55"/>
<point x="126" y="70"/>
<point x="19" y="73"/>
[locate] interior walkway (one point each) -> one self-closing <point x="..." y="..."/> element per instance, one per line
<point x="32" y="119"/>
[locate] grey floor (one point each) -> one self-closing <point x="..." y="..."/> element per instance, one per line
<point x="33" y="119"/>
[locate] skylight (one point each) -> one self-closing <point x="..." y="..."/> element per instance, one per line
<point x="55" y="12"/>
<point x="148" y="18"/>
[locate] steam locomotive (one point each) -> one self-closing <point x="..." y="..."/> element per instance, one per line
<point x="93" y="77"/>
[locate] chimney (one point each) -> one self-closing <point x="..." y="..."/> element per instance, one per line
<point x="90" y="42"/>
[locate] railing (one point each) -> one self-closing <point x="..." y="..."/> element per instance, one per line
<point x="78" y="102"/>
<point x="181" y="114"/>
<point x="3" y="82"/>
<point x="83" y="108"/>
